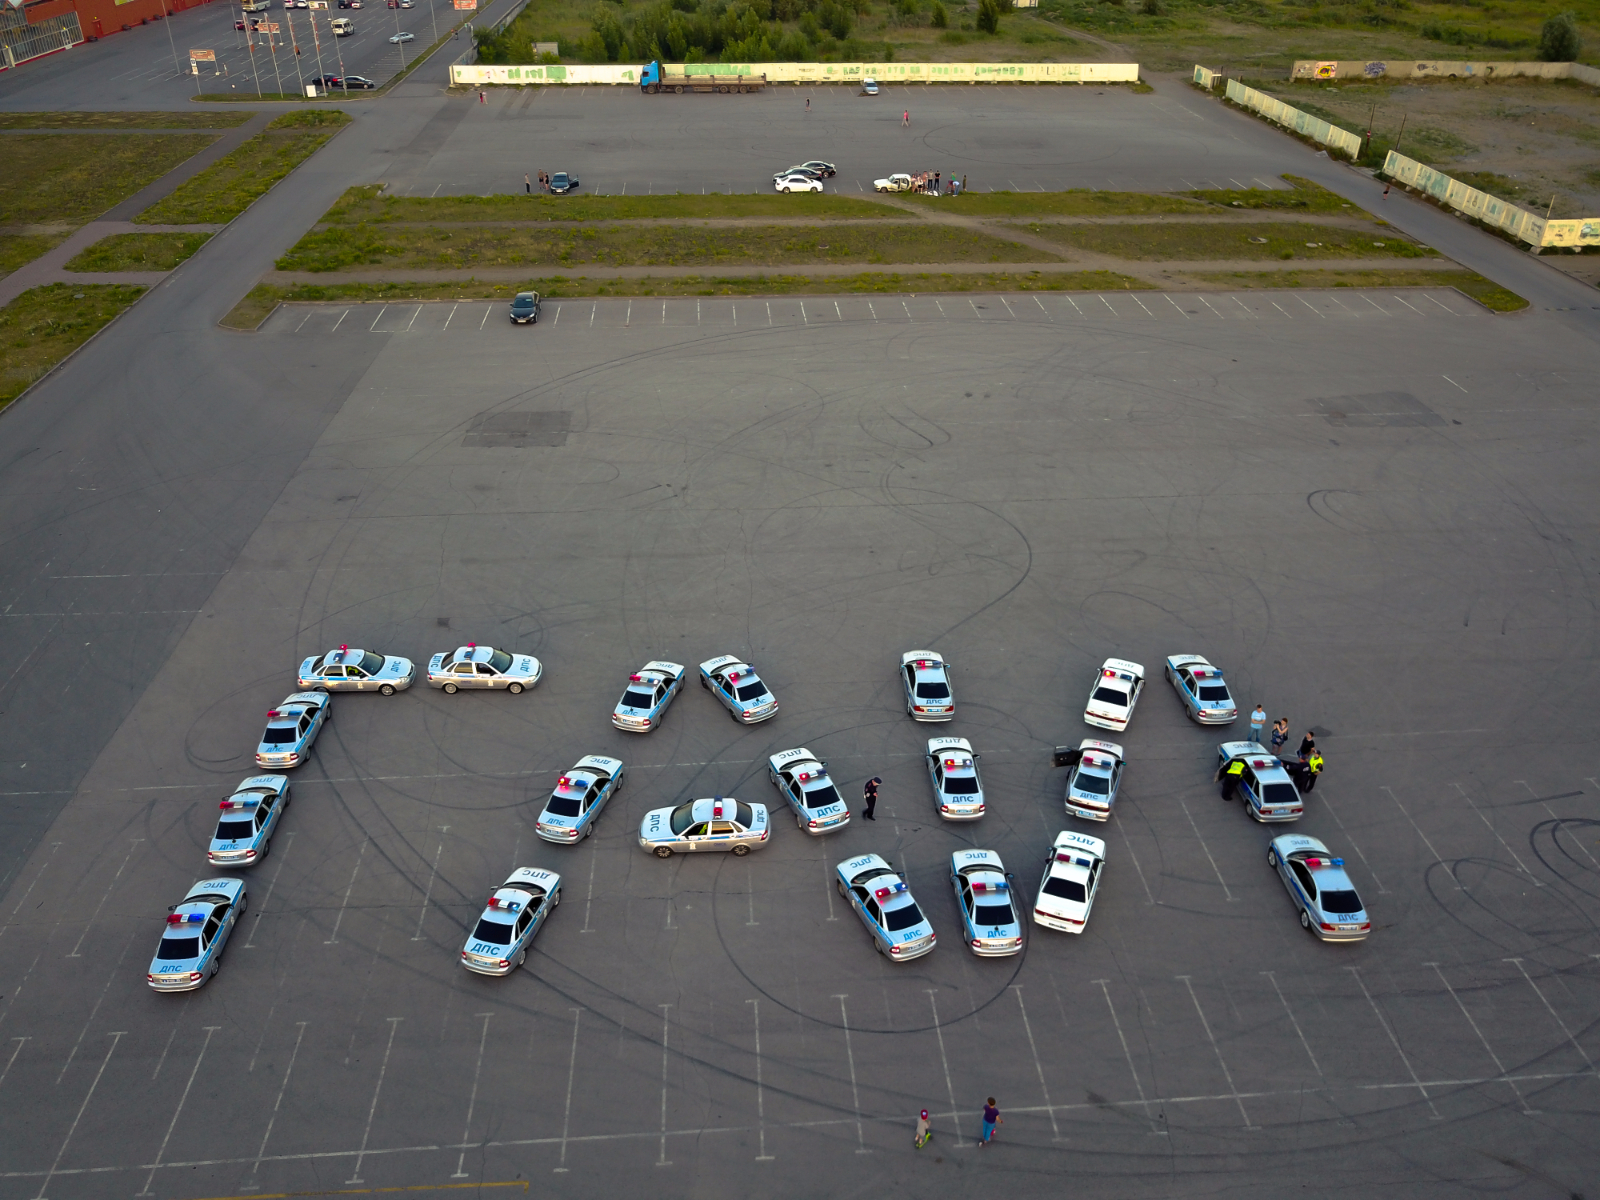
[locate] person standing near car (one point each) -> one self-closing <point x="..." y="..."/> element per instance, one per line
<point x="1280" y="734"/>
<point x="869" y="796"/>
<point x="1258" y="721"/>
<point x="1307" y="744"/>
<point x="527" y="184"/>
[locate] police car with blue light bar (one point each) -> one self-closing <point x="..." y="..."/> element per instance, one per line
<point x="739" y="688"/>
<point x="1071" y="879"/>
<point x="1096" y="776"/>
<point x="720" y="823"/>
<point x="983" y="893"/>
<point x="1202" y="689"/>
<point x="513" y="916"/>
<point x="884" y="903"/>
<point x="1113" y="694"/>
<point x="1320" y="889"/>
<point x="475" y="666"/>
<point x="249" y="818"/>
<point x="925" y="677"/>
<point x="805" y="785"/>
<point x="347" y="670"/>
<point x="574" y="807"/>
<point x="292" y="729"/>
<point x="1269" y="794"/>
<point x="190" y="951"/>
<point x="650" y="691"/>
<point x="953" y="771"/>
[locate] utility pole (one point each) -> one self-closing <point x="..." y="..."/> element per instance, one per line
<point x="294" y="44"/>
<point x="317" y="42"/>
<point x="433" y="14"/>
<point x="165" y="16"/>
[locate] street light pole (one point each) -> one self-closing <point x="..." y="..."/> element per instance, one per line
<point x="171" y="41"/>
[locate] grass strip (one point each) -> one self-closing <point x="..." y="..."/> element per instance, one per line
<point x="645" y="246"/>
<point x="123" y="120"/>
<point x="17" y="249"/>
<point x="1485" y="291"/>
<point x="234" y="182"/>
<point x="262" y="299"/>
<point x="68" y="178"/>
<point x="1305" y="197"/>
<point x="1078" y="202"/>
<point x="138" y="252"/>
<point x="1225" y="241"/>
<point x="368" y="205"/>
<point x="45" y="324"/>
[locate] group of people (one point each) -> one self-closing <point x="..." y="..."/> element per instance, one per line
<point x="991" y="1118"/>
<point x="926" y="184"/>
<point x="544" y="182"/>
<point x="1303" y="768"/>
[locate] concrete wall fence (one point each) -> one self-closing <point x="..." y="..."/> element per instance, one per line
<point x="1439" y="69"/>
<point x="479" y="74"/>
<point x="1491" y="210"/>
<point x="1289" y="117"/>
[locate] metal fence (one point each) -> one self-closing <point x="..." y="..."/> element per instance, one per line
<point x="20" y="41"/>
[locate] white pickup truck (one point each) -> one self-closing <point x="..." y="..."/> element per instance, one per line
<point x="895" y="183"/>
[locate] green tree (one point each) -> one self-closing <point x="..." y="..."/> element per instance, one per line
<point x="941" y="15"/>
<point x="1559" y="40"/>
<point x="989" y="16"/>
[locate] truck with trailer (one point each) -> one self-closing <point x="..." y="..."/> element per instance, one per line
<point x="654" y="78"/>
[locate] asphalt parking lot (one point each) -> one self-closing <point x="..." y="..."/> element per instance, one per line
<point x="1374" y="510"/>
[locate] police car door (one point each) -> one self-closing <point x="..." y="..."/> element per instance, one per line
<point x="212" y="928"/>
<point x="695" y="836"/>
<point x="332" y="676"/>
<point x="875" y="915"/>
<point x="594" y="798"/>
<point x="1302" y="876"/>
<point x="1252" y="788"/>
<point x="524" y="919"/>
<point x="908" y="677"/>
<point x="967" y="903"/>
<point x="483" y="676"/>
<point x="1187" y="680"/>
<point x="936" y="773"/>
<point x="264" y="812"/>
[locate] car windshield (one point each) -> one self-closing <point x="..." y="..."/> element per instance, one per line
<point x="965" y="785"/>
<point x="1106" y="695"/>
<point x="682" y="817"/>
<point x="993" y="914"/>
<point x="279" y="735"/>
<point x="1095" y="785"/>
<point x="492" y="932"/>
<point x="371" y="663"/>
<point x="500" y="661"/>
<point x="822" y="797"/>
<point x="179" y="948"/>
<point x="563" y="806"/>
<point x="904" y="917"/>
<point x="1341" y="902"/>
<point x="1214" y="691"/>
<point x="1279" y="793"/>
<point x="933" y="691"/>
<point x="751" y="691"/>
<point x="633" y="699"/>
<point x="1066" y="889"/>
<point x="235" y="831"/>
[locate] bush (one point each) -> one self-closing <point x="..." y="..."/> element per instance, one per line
<point x="1559" y="40"/>
<point x="1154" y="8"/>
<point x="989" y="16"/>
<point x="941" y="15"/>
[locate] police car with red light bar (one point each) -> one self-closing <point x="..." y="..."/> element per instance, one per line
<point x="574" y="807"/>
<point x="1071" y="879"/>
<point x="720" y="823"/>
<point x="1096" y="776"/>
<point x="1269" y="794"/>
<point x="983" y="893"/>
<point x="1113" y="694"/>
<point x="803" y="782"/>
<point x="512" y="918"/>
<point x="925" y="678"/>
<point x="884" y="903"/>
<point x="1320" y="889"/>
<point x="292" y="729"/>
<point x="347" y="670"/>
<point x="475" y="666"/>
<point x="1202" y="689"/>
<point x="249" y="819"/>
<point x="190" y="951"/>
<point x="649" y="692"/>
<point x="739" y="688"/>
<point x="953" y="771"/>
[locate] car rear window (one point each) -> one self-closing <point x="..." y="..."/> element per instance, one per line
<point x="1107" y="696"/>
<point x="744" y="814"/>
<point x="933" y="691"/>
<point x="279" y="735"/>
<point x="632" y="699"/>
<point x="500" y="661"/>
<point x="1065" y="889"/>
<point x="752" y="691"/>
<point x="235" y="831"/>
<point x="492" y="932"/>
<point x="993" y="914"/>
<point x="1213" y="691"/>
<point x="1341" y="902"/>
<point x="821" y="797"/>
<point x="965" y="785"/>
<point x="179" y="948"/>
<point x="563" y="806"/>
<point x="1279" y="793"/>
<point x="904" y="917"/>
<point x="1095" y="785"/>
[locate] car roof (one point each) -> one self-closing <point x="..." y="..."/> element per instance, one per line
<point x="472" y="652"/>
<point x="344" y="654"/>
<point x="527" y="295"/>
<point x="716" y="808"/>
<point x="275" y="783"/>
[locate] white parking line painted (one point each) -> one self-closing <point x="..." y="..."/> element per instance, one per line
<point x="1454" y="384"/>
<point x="38" y="875"/>
<point x="1183" y="805"/>
<point x="769" y="313"/>
<point x="750" y="893"/>
<point x="1312" y="307"/>
<point x="340" y="321"/>
<point x="593" y="308"/>
<point x="360" y="854"/>
<point x="1436" y="856"/>
<point x="855" y="1092"/>
<point x="304" y="319"/>
<point x="178" y="1112"/>
<point x="485" y="320"/>
<point x="940" y="307"/>
<point x="1444" y="306"/>
<point x="1411" y="306"/>
<point x="663" y="312"/>
<point x="1353" y="846"/>
<point x="872" y="310"/>
<point x="262" y="910"/>
<point x="104" y="898"/>
<point x="1075" y="307"/>
<point x="73" y="1128"/>
<point x="20" y="1041"/>
<point x="1044" y="1088"/>
<point x="373" y="328"/>
<point x="1126" y="845"/>
<point x="950" y="1090"/>
<point x="366" y="1136"/>
<point x="1181" y="310"/>
<point x="427" y="894"/>
<point x="907" y="307"/>
<point x="453" y="308"/>
<point x="413" y="320"/>
<point x="1044" y="310"/>
<point x="666" y="1018"/>
<point x="1289" y="1012"/>
<point x="472" y="1098"/>
<point x="1488" y="1049"/>
<point x="1227" y="1075"/>
<point x="735" y="309"/>
<point x="553" y="323"/>
<point x="572" y="1070"/>
<point x="1281" y="309"/>
<point x="95" y="1011"/>
<point x="1584" y="1054"/>
<point x="1395" y="1042"/>
<point x="975" y="311"/>
<point x="837" y="312"/>
<point x="1128" y="1055"/>
<point x="1521" y="866"/>
<point x="1209" y="305"/>
<point x="804" y="320"/>
<point x="1244" y="306"/>
<point x="761" y="1103"/>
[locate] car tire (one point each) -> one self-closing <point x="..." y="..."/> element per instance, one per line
<point x="587" y="830"/>
<point x="514" y="688"/>
<point x="1272" y="857"/>
<point x="555" y="898"/>
<point x="663" y="851"/>
<point x="266" y="849"/>
<point x="704" y="684"/>
<point x="522" y="956"/>
<point x="1305" y="920"/>
<point x="450" y="689"/>
<point x="741" y="850"/>
<point x="799" y="821"/>
<point x="386" y="689"/>
<point x="679" y="90"/>
<point x="244" y="907"/>
<point x="839" y="883"/>
<point x="216" y="965"/>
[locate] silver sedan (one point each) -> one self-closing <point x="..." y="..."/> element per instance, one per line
<point x="475" y="666"/>
<point x="720" y="823"/>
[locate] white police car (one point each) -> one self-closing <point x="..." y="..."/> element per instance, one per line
<point x="1113" y="694"/>
<point x="1269" y="794"/>
<point x="805" y="785"/>
<point x="885" y="905"/>
<point x="739" y="688"/>
<point x="515" y="913"/>
<point x="983" y="893"/>
<point x="197" y="929"/>
<point x="249" y="818"/>
<point x="1202" y="689"/>
<point x="1327" y="900"/>
<point x="650" y="691"/>
<point x="925" y="678"/>
<point x="953" y="771"/>
<point x="292" y="729"/>
<point x="1071" y="878"/>
<point x="475" y="666"/>
<point x="1096" y="775"/>
<point x="573" y="808"/>
<point x="347" y="670"/>
<point x="720" y="823"/>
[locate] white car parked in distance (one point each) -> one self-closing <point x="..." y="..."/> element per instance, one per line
<point x="797" y="183"/>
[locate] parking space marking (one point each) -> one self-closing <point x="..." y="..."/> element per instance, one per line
<point x="37" y="875"/>
<point x="1488" y="1049"/>
<point x="1140" y="303"/>
<point x="360" y="854"/>
<point x="1227" y="1075"/>
<point x="485" y="320"/>
<point x="1411" y="306"/>
<point x="1128" y="1055"/>
<point x="572" y="1068"/>
<point x="1184" y="805"/>
<point x="178" y="1112"/>
<point x="453" y="308"/>
<point x="1282" y="309"/>
<point x="1332" y="813"/>
<point x="1555" y="1016"/>
<point x="975" y="311"/>
<point x="262" y="910"/>
<point x="366" y="1136"/>
<point x="1044" y="310"/>
<point x="1038" y="1066"/>
<point x="116" y="1038"/>
<point x="666" y="1021"/>
<point x="1521" y="866"/>
<point x="472" y="1099"/>
<point x="761" y="1102"/>
<point x="1209" y="305"/>
<point x="855" y="1092"/>
<point x="116" y="971"/>
<point x="907" y="307"/>
<point x="1450" y="381"/>
<point x="1436" y="857"/>
<point x="944" y="1061"/>
<point x="373" y="328"/>
<point x="1126" y="845"/>
<point x="1312" y="307"/>
<point x="427" y="894"/>
<point x="1395" y="1042"/>
<point x="1184" y="313"/>
<point x="1555" y="832"/>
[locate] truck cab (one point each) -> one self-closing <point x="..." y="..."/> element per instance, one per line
<point x="650" y="75"/>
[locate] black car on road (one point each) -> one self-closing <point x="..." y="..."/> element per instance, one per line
<point x="525" y="309"/>
<point x="562" y="183"/>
